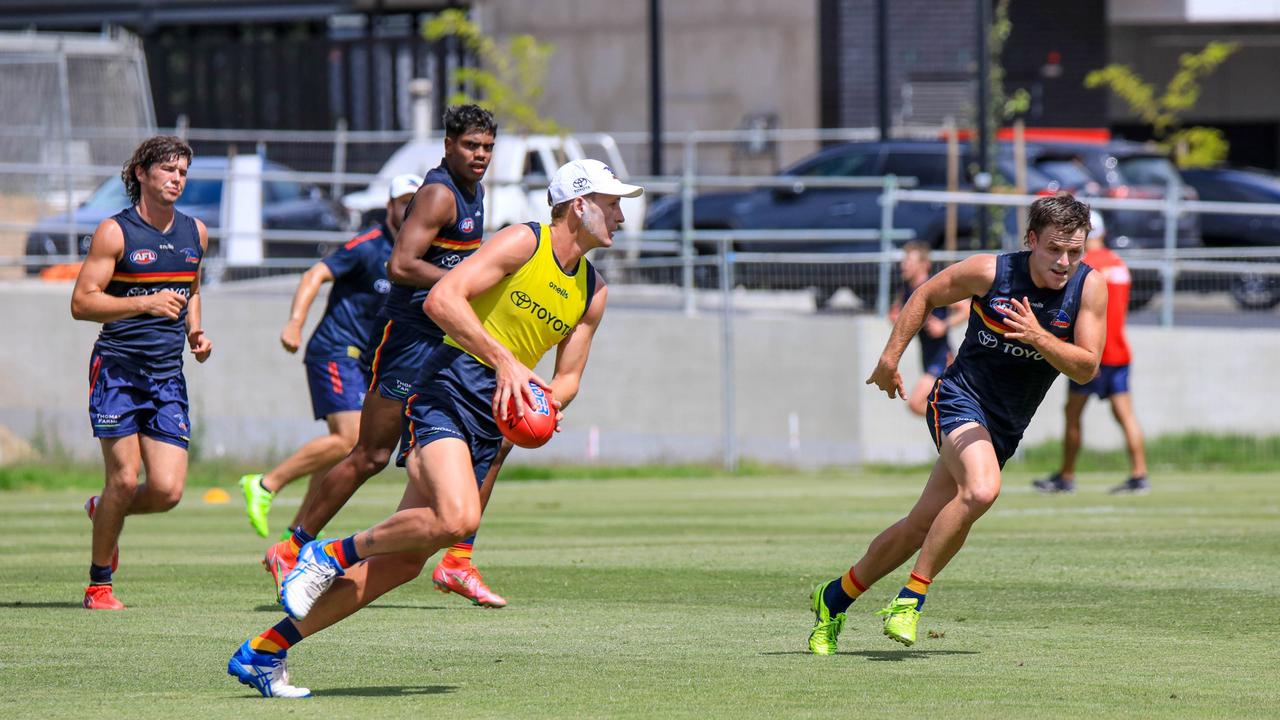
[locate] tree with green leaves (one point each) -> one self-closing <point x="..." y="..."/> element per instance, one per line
<point x="1191" y="146"/>
<point x="510" y="78"/>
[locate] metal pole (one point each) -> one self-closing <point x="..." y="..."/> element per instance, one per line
<point x="655" y="87"/>
<point x="339" y="156"/>
<point x="882" y="65"/>
<point x="64" y="145"/>
<point x="983" y="112"/>
<point x="727" y="384"/>
<point x="888" y="199"/>
<point x="686" y="226"/>
<point x="1168" y="273"/>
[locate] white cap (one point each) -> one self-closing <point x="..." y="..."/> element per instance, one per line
<point x="1098" y="228"/>
<point x="402" y="185"/>
<point x="583" y="177"/>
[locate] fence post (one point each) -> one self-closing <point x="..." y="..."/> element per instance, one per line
<point x="888" y="200"/>
<point x="339" y="157"/>
<point x="727" y="384"/>
<point x="1168" y="273"/>
<point x="686" y="226"/>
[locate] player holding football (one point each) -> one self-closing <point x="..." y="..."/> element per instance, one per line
<point x="141" y="280"/>
<point x="1034" y="314"/>
<point x="528" y="289"/>
<point x="444" y="225"/>
<point x="337" y="356"/>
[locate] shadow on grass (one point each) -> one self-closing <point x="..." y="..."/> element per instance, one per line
<point x="384" y="606"/>
<point x="22" y="604"/>
<point x="387" y="691"/>
<point x="885" y="655"/>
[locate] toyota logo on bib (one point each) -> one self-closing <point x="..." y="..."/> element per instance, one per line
<point x="521" y="299"/>
<point x="143" y="257"/>
<point x="986" y="338"/>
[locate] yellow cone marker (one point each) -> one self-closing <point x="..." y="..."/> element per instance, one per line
<point x="216" y="496"/>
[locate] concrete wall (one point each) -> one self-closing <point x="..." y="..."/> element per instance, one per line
<point x="653" y="388"/>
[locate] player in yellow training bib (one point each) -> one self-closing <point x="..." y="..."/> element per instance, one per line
<point x="527" y="289"/>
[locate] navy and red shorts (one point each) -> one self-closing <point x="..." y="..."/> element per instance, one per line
<point x="1110" y="380"/>
<point x="453" y="398"/>
<point x="127" y="401"/>
<point x="336" y="386"/>
<point x="949" y="407"/>
<point x="399" y="358"/>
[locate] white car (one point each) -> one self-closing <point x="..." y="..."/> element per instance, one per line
<point x="516" y="182"/>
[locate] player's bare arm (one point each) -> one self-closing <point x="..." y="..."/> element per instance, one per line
<point x="200" y="343"/>
<point x="1078" y="360"/>
<point x="449" y="306"/>
<point x="308" y="287"/>
<point x="969" y="277"/>
<point x="433" y="208"/>
<point x="89" y="299"/>
<point x="571" y="353"/>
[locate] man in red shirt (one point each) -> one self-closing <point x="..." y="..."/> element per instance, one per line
<point x="1111" y="382"/>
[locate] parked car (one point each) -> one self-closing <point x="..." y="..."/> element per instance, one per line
<point x="286" y="205"/>
<point x="516" y="158"/>
<point x="1118" y="170"/>
<point x="799" y="206"/>
<point x="1251" y="291"/>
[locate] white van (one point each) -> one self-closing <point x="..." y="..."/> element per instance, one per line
<point x="516" y="182"/>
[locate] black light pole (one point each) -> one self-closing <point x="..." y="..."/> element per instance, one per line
<point x="655" y="87"/>
<point x="882" y="64"/>
<point x="983" y="114"/>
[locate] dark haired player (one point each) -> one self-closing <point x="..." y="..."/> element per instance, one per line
<point x="141" y="280"/>
<point x="444" y="224"/>
<point x="1034" y="314"/>
<point x="337" y="357"/>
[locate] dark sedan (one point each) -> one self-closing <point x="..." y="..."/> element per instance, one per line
<point x="286" y="205"/>
<point x="1251" y="291"/>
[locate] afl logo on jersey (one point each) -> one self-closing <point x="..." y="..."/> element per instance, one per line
<point x="467" y="225"/>
<point x="143" y="256"/>
<point x="382" y="286"/>
<point x="1002" y="305"/>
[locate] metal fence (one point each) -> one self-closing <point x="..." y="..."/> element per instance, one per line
<point x="842" y="268"/>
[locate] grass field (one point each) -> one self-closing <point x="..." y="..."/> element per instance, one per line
<point x="678" y="597"/>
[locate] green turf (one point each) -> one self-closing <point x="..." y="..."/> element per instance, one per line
<point x="650" y="598"/>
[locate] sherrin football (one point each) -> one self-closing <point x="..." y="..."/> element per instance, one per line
<point x="538" y="424"/>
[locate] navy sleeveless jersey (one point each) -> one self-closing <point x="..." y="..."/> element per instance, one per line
<point x="360" y="286"/>
<point x="454" y="243"/>
<point x="930" y="346"/>
<point x="152" y="261"/>
<point x="1009" y="378"/>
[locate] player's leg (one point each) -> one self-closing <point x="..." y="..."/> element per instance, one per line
<point x="443" y="473"/>
<point x="456" y="572"/>
<point x="378" y="431"/>
<point x="1122" y="409"/>
<point x="122" y="459"/>
<point x="315" y="457"/>
<point x="260" y="661"/>
<point x="970" y="458"/>
<point x="337" y="389"/>
<point x="1064" y="479"/>
<point x="888" y="551"/>
<point x="919" y="396"/>
<point x="166" y="468"/>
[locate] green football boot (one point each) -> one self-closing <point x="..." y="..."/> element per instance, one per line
<point x="257" y="502"/>
<point x="900" y="620"/>
<point x="822" y="639"/>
